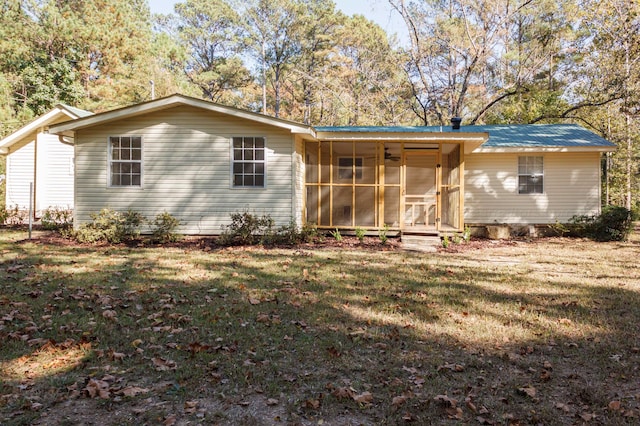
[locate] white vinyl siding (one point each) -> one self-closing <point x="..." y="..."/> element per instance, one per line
<point x="20" y="173"/>
<point x="571" y="187"/>
<point x="54" y="188"/>
<point x="187" y="170"/>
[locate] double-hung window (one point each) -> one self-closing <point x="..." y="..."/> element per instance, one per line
<point x="125" y="161"/>
<point x="248" y="162"/>
<point x="530" y="175"/>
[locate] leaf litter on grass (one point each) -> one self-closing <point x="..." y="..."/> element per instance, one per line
<point x="333" y="336"/>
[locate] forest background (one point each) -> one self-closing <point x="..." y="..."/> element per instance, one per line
<point x="489" y="62"/>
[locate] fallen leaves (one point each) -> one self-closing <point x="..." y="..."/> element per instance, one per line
<point x="162" y="364"/>
<point x="529" y="391"/>
<point x="363" y="398"/>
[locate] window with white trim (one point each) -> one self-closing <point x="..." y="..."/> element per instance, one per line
<point x="125" y="161"/>
<point x="530" y="175"/>
<point x="248" y="162"/>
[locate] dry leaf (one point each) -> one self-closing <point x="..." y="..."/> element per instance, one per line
<point x="614" y="405"/>
<point x="587" y="417"/>
<point x="116" y="356"/>
<point x="170" y="420"/>
<point x="263" y="318"/>
<point x="254" y="301"/>
<point x="162" y="364"/>
<point x="343" y="392"/>
<point x="97" y="389"/>
<point x="408" y="417"/>
<point x="110" y="315"/>
<point x="445" y="400"/>
<point x="312" y="403"/>
<point x="133" y="391"/>
<point x="398" y="400"/>
<point x="272" y="401"/>
<point x="453" y="367"/>
<point x="363" y="398"/>
<point x="530" y="391"/>
<point x="190" y="407"/>
<point x="196" y="347"/>
<point x="455" y="413"/>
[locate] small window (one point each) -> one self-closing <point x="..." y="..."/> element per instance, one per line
<point x="125" y="161"/>
<point x="248" y="167"/>
<point x="346" y="167"/>
<point x="530" y="175"/>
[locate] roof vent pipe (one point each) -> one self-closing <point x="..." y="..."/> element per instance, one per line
<point x="455" y="123"/>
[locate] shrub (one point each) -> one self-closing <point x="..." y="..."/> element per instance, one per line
<point x="55" y="218"/>
<point x="111" y="226"/>
<point x="445" y="241"/>
<point x="246" y="228"/>
<point x="382" y="233"/>
<point x="164" y="227"/>
<point x="360" y="233"/>
<point x="613" y="224"/>
<point x="309" y="232"/>
<point x="11" y="216"/>
<point x="466" y="235"/>
<point x="336" y="235"/>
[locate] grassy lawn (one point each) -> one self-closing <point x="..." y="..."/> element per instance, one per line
<point x="544" y="332"/>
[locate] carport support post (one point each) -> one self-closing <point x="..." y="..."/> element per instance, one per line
<point x="30" y="208"/>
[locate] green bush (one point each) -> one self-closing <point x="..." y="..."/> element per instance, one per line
<point x="164" y="227"/>
<point x="613" y="224"/>
<point x="11" y="216"/>
<point x="382" y="233"/>
<point x="336" y="235"/>
<point x="55" y="218"/>
<point x="246" y="229"/>
<point x="111" y="226"/>
<point x="360" y="233"/>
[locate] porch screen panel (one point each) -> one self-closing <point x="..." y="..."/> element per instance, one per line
<point x="366" y="153"/>
<point x="366" y="206"/>
<point x="312" y="204"/>
<point x="325" y="205"/>
<point x="325" y="162"/>
<point x="345" y="167"/>
<point x="311" y="162"/>
<point x="392" y="154"/>
<point x="391" y="206"/>
<point x="342" y="206"/>
<point x="451" y="185"/>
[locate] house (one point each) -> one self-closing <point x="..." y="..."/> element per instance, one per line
<point x="201" y="162"/>
<point x="35" y="156"/>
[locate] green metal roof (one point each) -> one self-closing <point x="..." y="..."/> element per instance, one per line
<point x="502" y="136"/>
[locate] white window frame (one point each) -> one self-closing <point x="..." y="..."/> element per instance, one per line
<point x="250" y="162"/>
<point x="527" y="171"/>
<point x="111" y="161"/>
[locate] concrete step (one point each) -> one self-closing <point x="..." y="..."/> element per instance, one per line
<point x="421" y="243"/>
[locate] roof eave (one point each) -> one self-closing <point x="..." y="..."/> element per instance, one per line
<point x="518" y="149"/>
<point x="33" y="127"/>
<point x="67" y="129"/>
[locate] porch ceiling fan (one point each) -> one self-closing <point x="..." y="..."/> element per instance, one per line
<point x="389" y="156"/>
